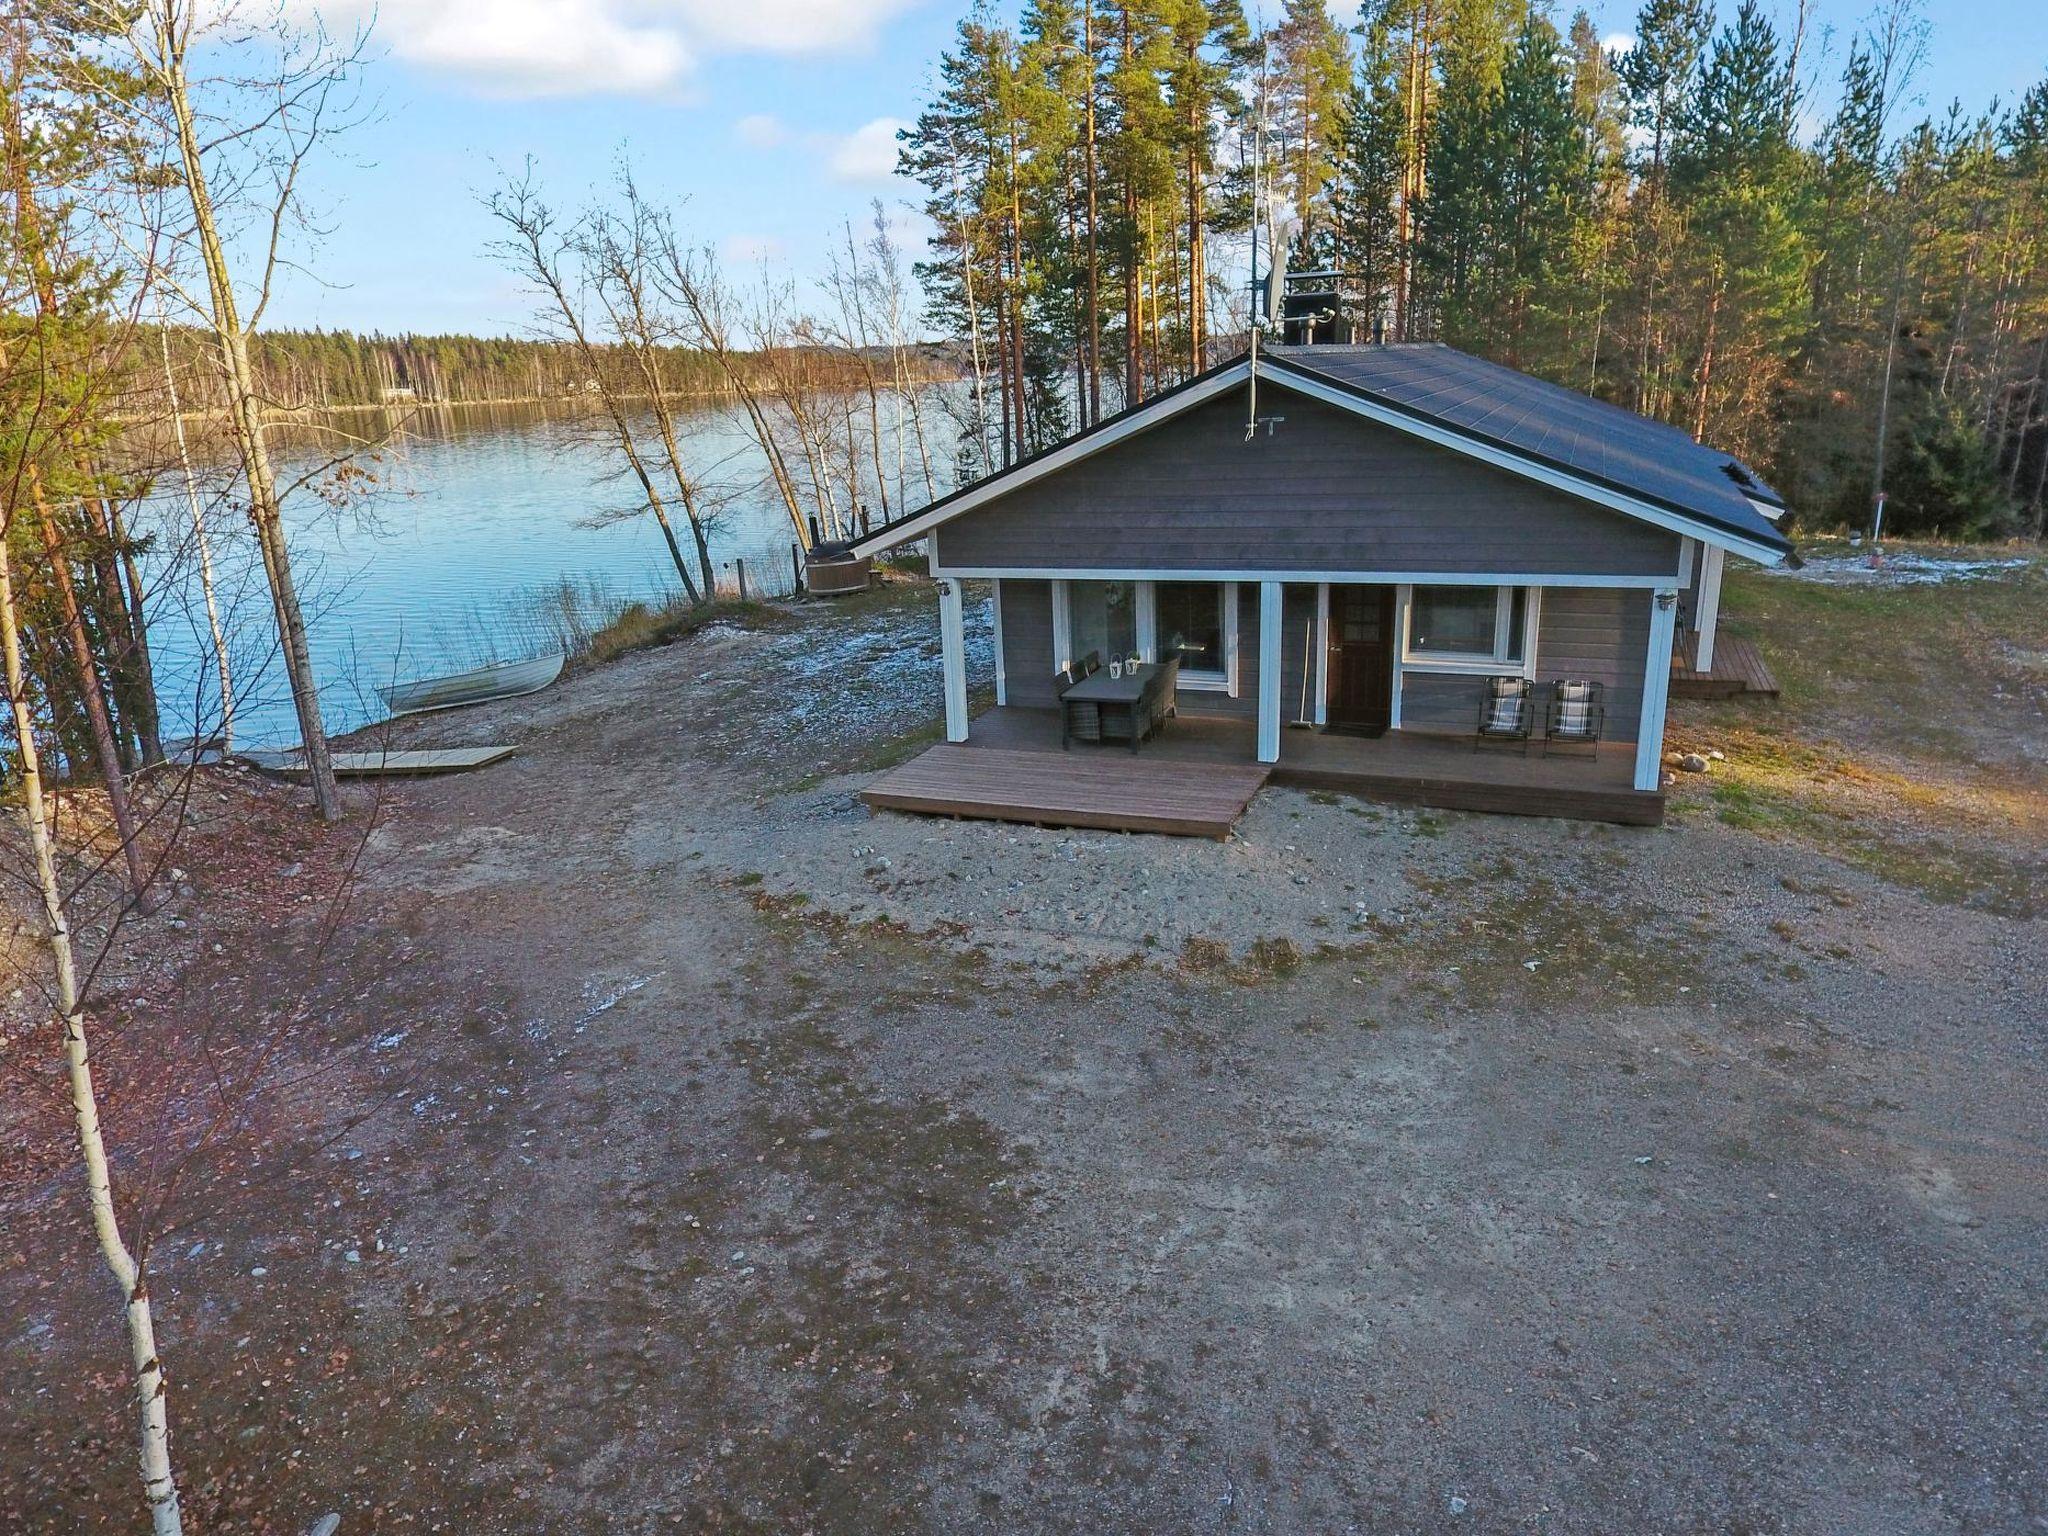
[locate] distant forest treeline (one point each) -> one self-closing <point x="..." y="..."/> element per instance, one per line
<point x="321" y="369"/>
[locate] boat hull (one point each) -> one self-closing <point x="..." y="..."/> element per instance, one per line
<point x="503" y="680"/>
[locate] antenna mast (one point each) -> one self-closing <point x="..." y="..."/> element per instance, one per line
<point x="1259" y="211"/>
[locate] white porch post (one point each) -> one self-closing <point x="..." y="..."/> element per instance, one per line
<point x="1709" y="612"/>
<point x="953" y="653"/>
<point x="1269" y="671"/>
<point x="1656" y="689"/>
<point x="1002" y="671"/>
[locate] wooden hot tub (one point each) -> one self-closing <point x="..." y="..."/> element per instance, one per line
<point x="830" y="570"/>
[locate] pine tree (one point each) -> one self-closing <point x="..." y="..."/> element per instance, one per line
<point x="1309" y="80"/>
<point x="1599" y="107"/>
<point x="1211" y="48"/>
<point x="1139" y="157"/>
<point x="1544" y="193"/>
<point x="1367" y="226"/>
<point x="1744" y="266"/>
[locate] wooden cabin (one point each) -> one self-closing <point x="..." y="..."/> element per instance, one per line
<point x="1345" y="549"/>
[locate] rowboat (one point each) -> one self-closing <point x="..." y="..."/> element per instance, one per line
<point x="500" y="680"/>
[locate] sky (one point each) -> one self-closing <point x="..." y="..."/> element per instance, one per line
<point x="767" y="123"/>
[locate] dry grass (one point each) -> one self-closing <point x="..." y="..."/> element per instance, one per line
<point x="637" y="627"/>
<point x="1910" y="737"/>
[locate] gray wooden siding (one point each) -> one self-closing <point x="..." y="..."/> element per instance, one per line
<point x="1027" y="644"/>
<point x="1327" y="491"/>
<point x="1596" y="634"/>
<point x="1601" y="634"/>
<point x="1439" y="701"/>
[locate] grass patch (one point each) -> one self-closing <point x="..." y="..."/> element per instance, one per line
<point x="1960" y="844"/>
<point x="639" y="627"/>
<point x="1937" y="672"/>
<point x="1908" y="738"/>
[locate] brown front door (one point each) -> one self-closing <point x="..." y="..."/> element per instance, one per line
<point x="1361" y="658"/>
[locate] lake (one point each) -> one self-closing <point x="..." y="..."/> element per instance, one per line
<point x="452" y="551"/>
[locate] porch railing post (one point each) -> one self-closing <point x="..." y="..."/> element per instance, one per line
<point x="1656" y="689"/>
<point x="1708" y="617"/>
<point x="1269" y="672"/>
<point x="953" y="656"/>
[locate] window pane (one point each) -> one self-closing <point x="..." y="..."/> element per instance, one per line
<point x="1452" y="621"/>
<point x="1104" y="618"/>
<point x="1190" y="615"/>
<point x="1518" y="617"/>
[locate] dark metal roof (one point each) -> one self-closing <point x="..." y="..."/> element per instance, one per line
<point x="1550" y="424"/>
<point x="1541" y="422"/>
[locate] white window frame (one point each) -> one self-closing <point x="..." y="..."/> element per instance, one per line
<point x="1225" y="681"/>
<point x="1469" y="664"/>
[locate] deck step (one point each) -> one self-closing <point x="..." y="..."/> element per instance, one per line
<point x="1739" y="669"/>
<point x="1107" y="789"/>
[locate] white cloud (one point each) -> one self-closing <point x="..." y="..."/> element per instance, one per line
<point x="786" y="26"/>
<point x="540" y="47"/>
<point x="530" y="48"/>
<point x="761" y="130"/>
<point x="1618" y="42"/>
<point x="868" y="153"/>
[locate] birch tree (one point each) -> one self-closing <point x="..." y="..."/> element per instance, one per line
<point x="270" y="127"/>
<point x="535" y="249"/>
<point x="159" y="1486"/>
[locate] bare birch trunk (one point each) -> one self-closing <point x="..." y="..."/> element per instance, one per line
<point x="246" y="413"/>
<point x="159" y="1486"/>
<point x="205" y="549"/>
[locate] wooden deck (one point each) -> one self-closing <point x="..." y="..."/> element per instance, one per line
<point x="1401" y="767"/>
<point x="1738" y="669"/>
<point x="1112" y="789"/>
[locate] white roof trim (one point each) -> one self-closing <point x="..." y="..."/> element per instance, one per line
<point x="1279" y="374"/>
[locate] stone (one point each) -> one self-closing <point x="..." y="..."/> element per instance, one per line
<point x="1692" y="762"/>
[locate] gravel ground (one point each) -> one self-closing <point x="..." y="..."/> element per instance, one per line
<point x="752" y="1163"/>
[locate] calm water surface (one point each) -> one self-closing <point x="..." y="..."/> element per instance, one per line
<point x="449" y="559"/>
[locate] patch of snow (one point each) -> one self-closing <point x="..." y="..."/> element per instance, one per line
<point x="1906" y="568"/>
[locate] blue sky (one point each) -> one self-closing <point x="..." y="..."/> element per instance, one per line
<point x="772" y="118"/>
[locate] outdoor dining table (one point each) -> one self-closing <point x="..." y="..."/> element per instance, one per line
<point x="1108" y="694"/>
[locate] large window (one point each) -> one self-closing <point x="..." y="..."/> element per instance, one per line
<point x="1103" y="618"/>
<point x="1475" y="625"/>
<point x="1190" y="617"/>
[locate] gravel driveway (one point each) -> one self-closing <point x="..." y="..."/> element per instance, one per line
<point x="764" y="1165"/>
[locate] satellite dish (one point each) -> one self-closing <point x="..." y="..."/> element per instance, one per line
<point x="1280" y="225"/>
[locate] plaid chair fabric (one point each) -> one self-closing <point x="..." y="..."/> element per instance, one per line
<point x="1507" y="705"/>
<point x="1578" y="715"/>
<point x="1504" y="712"/>
<point x="1574" y="709"/>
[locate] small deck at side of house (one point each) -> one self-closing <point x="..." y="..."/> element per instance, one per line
<point x="1027" y="777"/>
<point x="1108" y="789"/>
<point x="1739" y="669"/>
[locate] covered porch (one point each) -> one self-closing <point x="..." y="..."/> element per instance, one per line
<point x="1401" y="767"/>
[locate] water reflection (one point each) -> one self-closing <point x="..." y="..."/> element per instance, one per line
<point x="454" y="548"/>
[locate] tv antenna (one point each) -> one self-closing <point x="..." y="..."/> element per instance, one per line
<point x="1266" y="306"/>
